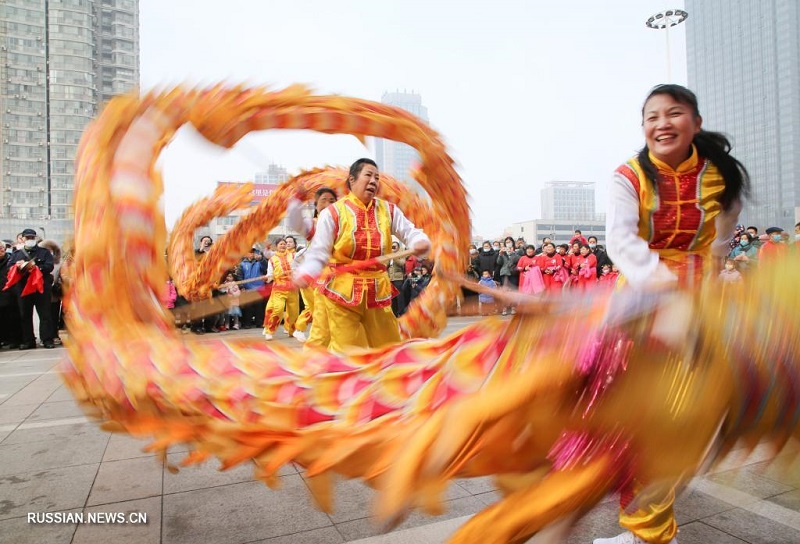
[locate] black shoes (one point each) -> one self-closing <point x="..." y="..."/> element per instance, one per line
<point x="49" y="345"/>
<point x="27" y="346"/>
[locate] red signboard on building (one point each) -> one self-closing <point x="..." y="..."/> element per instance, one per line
<point x="260" y="190"/>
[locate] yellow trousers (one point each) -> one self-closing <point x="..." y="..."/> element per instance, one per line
<point x="280" y="301"/>
<point x="320" y="334"/>
<point x="379" y="324"/>
<point x="307" y="315"/>
<point x="654" y="522"/>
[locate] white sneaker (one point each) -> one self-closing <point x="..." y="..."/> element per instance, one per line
<point x="626" y="538"/>
<point x="299" y="335"/>
<point x="267" y="336"/>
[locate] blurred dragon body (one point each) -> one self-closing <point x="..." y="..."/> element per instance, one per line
<point x="544" y="401"/>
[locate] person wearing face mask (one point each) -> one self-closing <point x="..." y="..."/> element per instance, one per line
<point x="729" y="274"/>
<point x="10" y="331"/>
<point x="486" y="260"/>
<point x="33" y="284"/>
<point x="774" y="245"/>
<point x="745" y="254"/>
<point x="599" y="252"/>
<point x="608" y="277"/>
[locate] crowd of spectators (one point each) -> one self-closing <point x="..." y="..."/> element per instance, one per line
<point x="510" y="264"/>
<point x="582" y="263"/>
<point x="409" y="276"/>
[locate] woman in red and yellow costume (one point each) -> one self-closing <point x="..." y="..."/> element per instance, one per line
<point x="284" y="297"/>
<point x="359" y="227"/>
<point x="673" y="210"/>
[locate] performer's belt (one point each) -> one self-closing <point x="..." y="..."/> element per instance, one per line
<point x="373" y="268"/>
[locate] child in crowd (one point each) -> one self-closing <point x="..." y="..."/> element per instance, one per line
<point x="608" y="276"/>
<point x="486" y="302"/>
<point x="730" y="274"/>
<point x="233" y="291"/>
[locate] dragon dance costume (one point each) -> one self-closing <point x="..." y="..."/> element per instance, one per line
<point x="495" y="398"/>
<point x="679" y="227"/>
<point x="348" y="231"/>
<point x="283" y="296"/>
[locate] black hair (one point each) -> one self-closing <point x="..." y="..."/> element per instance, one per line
<point x="592" y="236"/>
<point x="747" y="235"/>
<point x="714" y="146"/>
<point x="577" y="231"/>
<point x="356" y="167"/>
<point x="565" y="246"/>
<point x="321" y="191"/>
<point x="506" y="239"/>
<point x="204" y="237"/>
<point x="292" y="237"/>
<point x="530" y="246"/>
<point x="797" y="225"/>
<point x="754" y="228"/>
<point x="324" y="190"/>
<point x="548" y="244"/>
<point x="586" y="246"/>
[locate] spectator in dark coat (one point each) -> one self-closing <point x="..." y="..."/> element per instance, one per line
<point x="486" y="260"/>
<point x="29" y="257"/>
<point x="10" y="330"/>
<point x="599" y="252"/>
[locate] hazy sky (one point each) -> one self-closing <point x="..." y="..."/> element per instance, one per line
<point x="523" y="92"/>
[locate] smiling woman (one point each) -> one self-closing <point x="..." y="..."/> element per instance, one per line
<point x="672" y="209"/>
<point x="677" y="202"/>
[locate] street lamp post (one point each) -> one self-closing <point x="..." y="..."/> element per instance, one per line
<point x="663" y="20"/>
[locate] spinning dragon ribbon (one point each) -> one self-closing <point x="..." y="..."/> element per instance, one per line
<point x="541" y="401"/>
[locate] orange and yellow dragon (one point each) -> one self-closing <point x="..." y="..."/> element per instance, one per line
<point x="542" y="401"/>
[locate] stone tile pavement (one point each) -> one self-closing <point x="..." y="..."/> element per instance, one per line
<point x="52" y="459"/>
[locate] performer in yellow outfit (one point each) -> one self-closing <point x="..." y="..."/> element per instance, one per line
<point x="673" y="208"/>
<point x="359" y="227"/>
<point x="283" y="296"/>
<point x="303" y="319"/>
<point x="314" y="313"/>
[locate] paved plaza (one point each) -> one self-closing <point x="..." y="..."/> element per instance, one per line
<point x="53" y="459"/>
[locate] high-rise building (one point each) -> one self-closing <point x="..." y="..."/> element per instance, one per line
<point x="566" y="206"/>
<point x="568" y="201"/>
<point x="744" y="65"/>
<point x="394" y="158"/>
<point x="60" y="61"/>
<point x="275" y="174"/>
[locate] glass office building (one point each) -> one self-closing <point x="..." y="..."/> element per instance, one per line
<point x="744" y="65"/>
